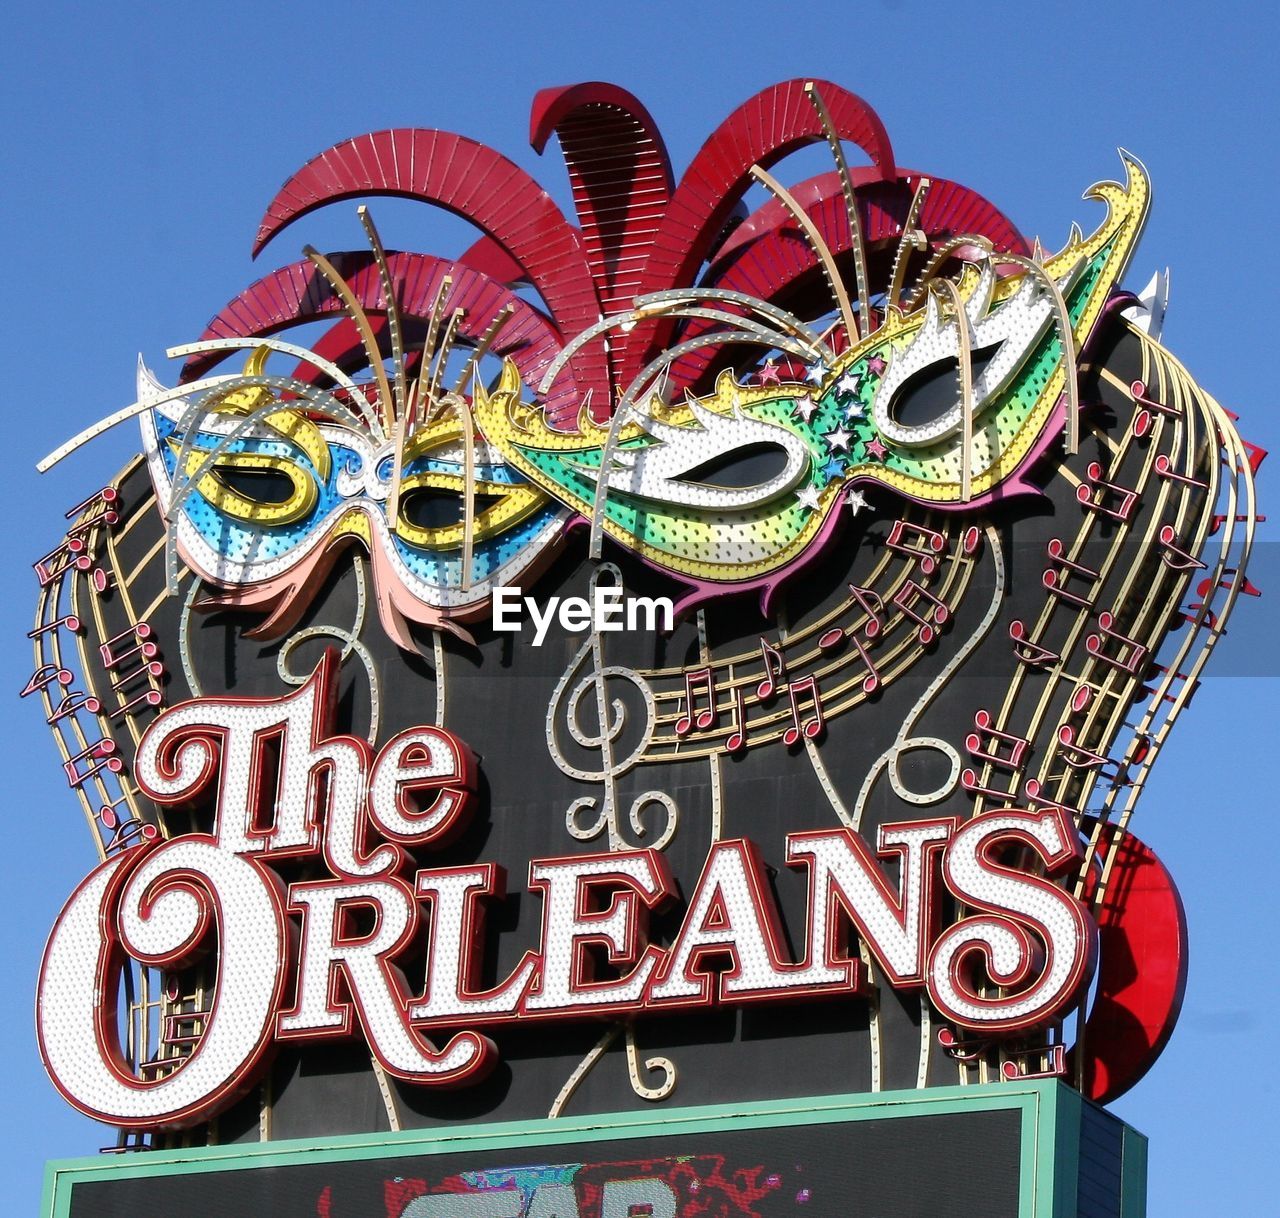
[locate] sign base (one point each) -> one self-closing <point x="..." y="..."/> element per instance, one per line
<point x="1035" y="1150"/>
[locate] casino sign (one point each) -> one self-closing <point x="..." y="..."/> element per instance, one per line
<point x="698" y="650"/>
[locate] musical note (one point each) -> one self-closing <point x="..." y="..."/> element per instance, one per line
<point x="811" y="726"/>
<point x="1220" y="519"/>
<point x="108" y="497"/>
<point x="911" y="594"/>
<point x="961" y="1050"/>
<point x="1029" y="653"/>
<point x="1131" y="653"/>
<point x="44" y="676"/>
<point x="1257" y="455"/>
<point x="832" y="639"/>
<point x="1057" y="1055"/>
<point x="126" y="832"/>
<point x="107" y="516"/>
<point x="72" y="703"/>
<point x="926" y="556"/>
<point x="1106" y="498"/>
<point x="1036" y="803"/>
<point x="871" y="682"/>
<point x="970" y="782"/>
<point x="58" y="561"/>
<point x="1173" y="556"/>
<point x="100" y="578"/>
<point x="775" y="671"/>
<point x="148" y="697"/>
<point x="184" y="1028"/>
<point x="70" y="621"/>
<point x="870" y="604"/>
<point x="836" y="637"/>
<point x="985" y="744"/>
<point x="152" y="670"/>
<point x="1057" y="576"/>
<point x="139" y="635"/>
<point x="1247" y="587"/>
<point x="1164" y="468"/>
<point x="1078" y="757"/>
<point x="131" y="654"/>
<point x="73" y="552"/>
<point x="1150" y="406"/>
<point x="971" y="542"/>
<point x="738" y="739"/>
<point x="101" y="754"/>
<point x="1143" y="398"/>
<point x="703" y="679"/>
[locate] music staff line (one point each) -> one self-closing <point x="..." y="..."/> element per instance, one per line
<point x="1114" y="692"/>
<point x="809" y="700"/>
<point x="1068" y="761"/>
<point x="1217" y="592"/>
<point x="1170" y="581"/>
<point x="93" y="767"/>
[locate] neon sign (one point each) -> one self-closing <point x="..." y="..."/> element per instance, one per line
<point x="921" y="542"/>
<point x="299" y="961"/>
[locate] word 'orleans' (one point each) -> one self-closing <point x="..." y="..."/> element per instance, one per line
<point x="299" y="962"/>
<point x="607" y="610"/>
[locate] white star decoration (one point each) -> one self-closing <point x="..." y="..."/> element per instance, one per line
<point x="848" y="384"/>
<point x="805" y="408"/>
<point x="808" y="498"/>
<point x="815" y="373"/>
<point x="838" y="438"/>
<point x="856" y="501"/>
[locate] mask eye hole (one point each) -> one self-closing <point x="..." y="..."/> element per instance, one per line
<point x="929" y="394"/>
<point x="267" y="487"/>
<point x="426" y="508"/>
<point x="750" y="465"/>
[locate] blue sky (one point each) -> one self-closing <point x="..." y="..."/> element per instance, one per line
<point x="141" y="144"/>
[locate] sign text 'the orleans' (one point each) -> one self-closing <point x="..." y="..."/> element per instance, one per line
<point x="314" y="958"/>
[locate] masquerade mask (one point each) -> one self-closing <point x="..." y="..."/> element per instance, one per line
<point x="943" y="403"/>
<point x="261" y="496"/>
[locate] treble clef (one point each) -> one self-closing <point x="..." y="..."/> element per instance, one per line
<point x="567" y="704"/>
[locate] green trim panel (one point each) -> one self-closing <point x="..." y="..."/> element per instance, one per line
<point x="1049" y="1111"/>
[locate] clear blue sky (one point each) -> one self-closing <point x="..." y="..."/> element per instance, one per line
<point x="141" y="144"/>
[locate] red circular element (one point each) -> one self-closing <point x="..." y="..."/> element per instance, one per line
<point x="1142" y="967"/>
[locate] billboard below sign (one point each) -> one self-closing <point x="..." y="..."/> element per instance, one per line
<point x="1002" y="1153"/>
